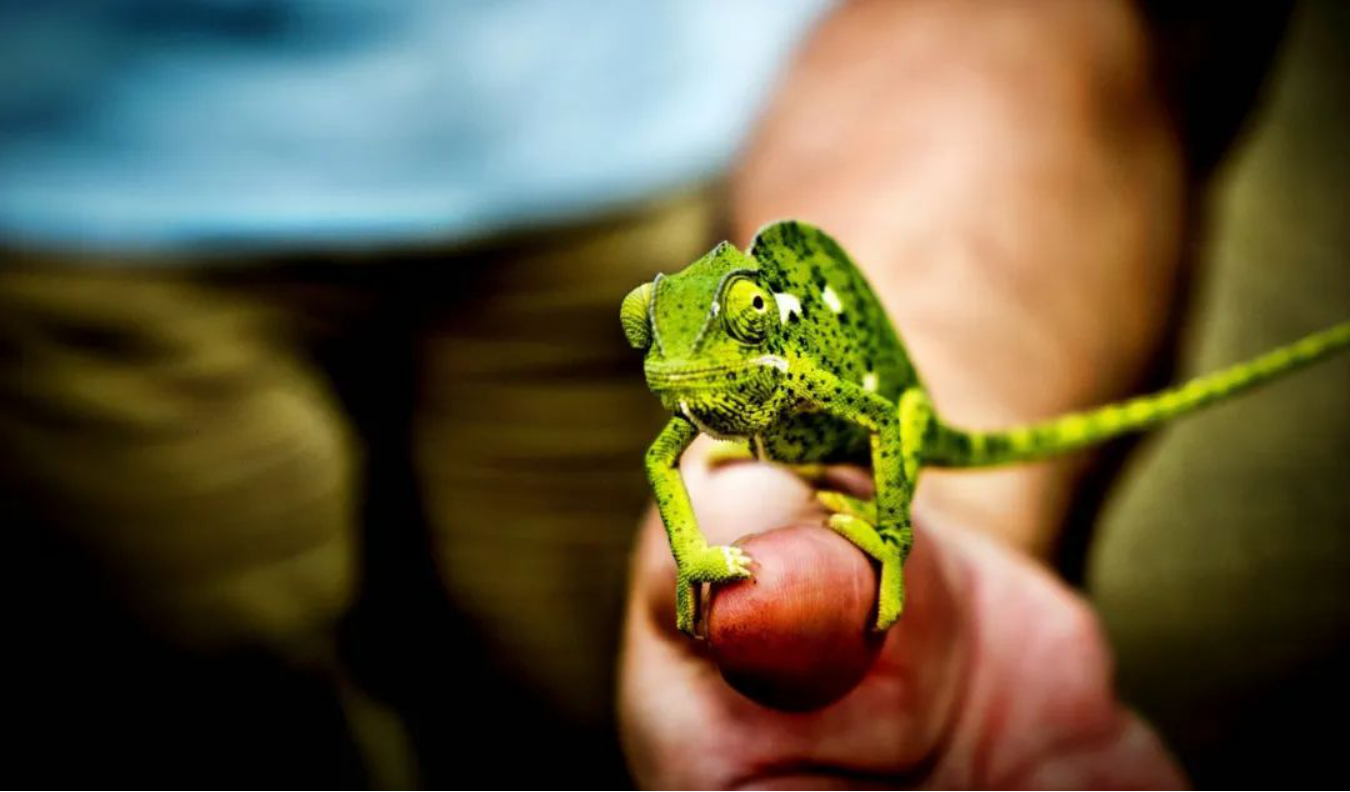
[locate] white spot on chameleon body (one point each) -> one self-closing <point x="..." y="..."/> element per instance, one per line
<point x="776" y="361"/>
<point x="832" y="300"/>
<point x="788" y="304"/>
<point x="870" y="381"/>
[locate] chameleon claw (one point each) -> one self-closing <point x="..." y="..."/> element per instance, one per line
<point x="719" y="564"/>
<point x="738" y="561"/>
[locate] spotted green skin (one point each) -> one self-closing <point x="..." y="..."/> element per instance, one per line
<point x="787" y="351"/>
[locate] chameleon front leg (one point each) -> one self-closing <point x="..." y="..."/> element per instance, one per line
<point x="696" y="562"/>
<point x="890" y="539"/>
<point x="916" y="424"/>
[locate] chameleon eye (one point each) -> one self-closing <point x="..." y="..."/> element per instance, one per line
<point x="747" y="317"/>
<point x="633" y="316"/>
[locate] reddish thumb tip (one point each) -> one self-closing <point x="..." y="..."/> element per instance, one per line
<point x="798" y="635"/>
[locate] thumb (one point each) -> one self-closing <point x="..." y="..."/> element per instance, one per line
<point x="799" y="635"/>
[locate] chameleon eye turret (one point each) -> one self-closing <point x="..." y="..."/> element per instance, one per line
<point x="749" y="313"/>
<point x="633" y="314"/>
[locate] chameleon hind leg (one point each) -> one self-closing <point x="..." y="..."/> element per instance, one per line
<point x="917" y="422"/>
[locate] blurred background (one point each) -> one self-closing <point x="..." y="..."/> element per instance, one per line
<point x="1222" y="563"/>
<point x="320" y="447"/>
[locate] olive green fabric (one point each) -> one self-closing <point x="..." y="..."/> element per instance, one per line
<point x="327" y="520"/>
<point x="1222" y="565"/>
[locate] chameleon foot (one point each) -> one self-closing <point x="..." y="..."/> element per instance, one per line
<point x="717" y="564"/>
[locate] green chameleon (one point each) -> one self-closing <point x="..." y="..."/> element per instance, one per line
<point x="787" y="352"/>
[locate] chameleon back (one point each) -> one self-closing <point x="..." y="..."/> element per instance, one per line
<point x="832" y="318"/>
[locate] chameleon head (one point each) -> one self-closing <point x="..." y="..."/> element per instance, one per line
<point x="712" y="335"/>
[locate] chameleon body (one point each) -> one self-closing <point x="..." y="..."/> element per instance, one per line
<point x="787" y="351"/>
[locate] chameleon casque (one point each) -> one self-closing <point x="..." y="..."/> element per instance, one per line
<point x="787" y="351"/>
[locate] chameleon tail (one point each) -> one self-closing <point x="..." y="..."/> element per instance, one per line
<point x="956" y="448"/>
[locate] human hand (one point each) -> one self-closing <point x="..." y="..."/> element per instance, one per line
<point x="996" y="676"/>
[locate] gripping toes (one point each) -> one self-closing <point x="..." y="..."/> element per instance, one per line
<point x="718" y="564"/>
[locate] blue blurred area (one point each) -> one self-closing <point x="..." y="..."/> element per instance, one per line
<point x="143" y="124"/>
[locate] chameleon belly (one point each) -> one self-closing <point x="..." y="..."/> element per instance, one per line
<point x="815" y="438"/>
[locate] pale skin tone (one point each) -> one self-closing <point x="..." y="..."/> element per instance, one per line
<point x="974" y="155"/>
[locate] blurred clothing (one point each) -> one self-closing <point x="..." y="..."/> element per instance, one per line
<point x="321" y="446"/>
<point x="172" y="124"/>
<point x="299" y="519"/>
<point x="1222" y="567"/>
